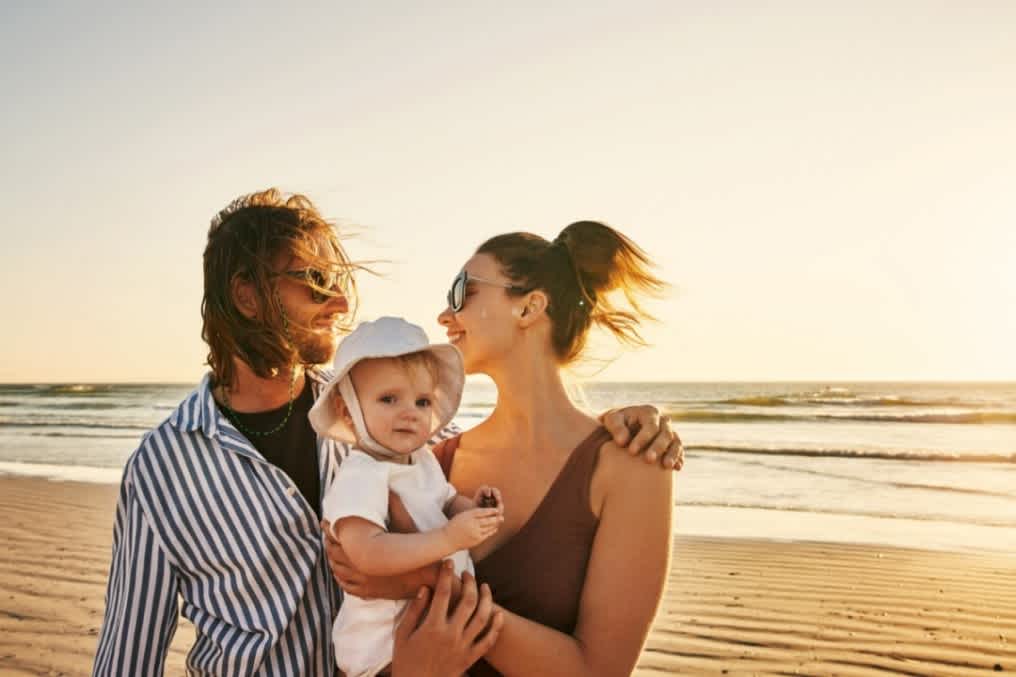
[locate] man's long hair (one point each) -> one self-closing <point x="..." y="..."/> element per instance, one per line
<point x="246" y="240"/>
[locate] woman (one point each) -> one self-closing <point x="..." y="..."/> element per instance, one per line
<point x="579" y="564"/>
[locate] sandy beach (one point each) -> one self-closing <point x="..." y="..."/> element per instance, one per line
<point x="733" y="606"/>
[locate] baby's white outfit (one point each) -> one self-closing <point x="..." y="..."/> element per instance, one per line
<point x="364" y="631"/>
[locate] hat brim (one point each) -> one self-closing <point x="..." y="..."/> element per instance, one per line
<point x="447" y="391"/>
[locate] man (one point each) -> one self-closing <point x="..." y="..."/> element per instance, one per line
<point x="220" y="505"/>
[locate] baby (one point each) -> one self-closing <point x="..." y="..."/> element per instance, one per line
<point x="391" y="391"/>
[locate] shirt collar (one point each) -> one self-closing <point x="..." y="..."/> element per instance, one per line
<point x="200" y="412"/>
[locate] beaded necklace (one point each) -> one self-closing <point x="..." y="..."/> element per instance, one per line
<point x="234" y="416"/>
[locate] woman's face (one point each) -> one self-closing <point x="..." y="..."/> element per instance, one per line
<point x="485" y="328"/>
<point x="313" y="324"/>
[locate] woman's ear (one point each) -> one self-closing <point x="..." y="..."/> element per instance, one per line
<point x="535" y="307"/>
<point x="244" y="296"/>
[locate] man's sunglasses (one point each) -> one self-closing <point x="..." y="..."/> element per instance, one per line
<point x="457" y="292"/>
<point x="318" y="282"/>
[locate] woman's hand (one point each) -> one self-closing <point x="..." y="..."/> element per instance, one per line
<point x="641" y="430"/>
<point x="451" y="636"/>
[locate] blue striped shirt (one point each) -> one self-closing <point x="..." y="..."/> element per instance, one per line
<point x="204" y="519"/>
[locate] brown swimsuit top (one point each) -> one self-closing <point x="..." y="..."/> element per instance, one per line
<point x="539" y="572"/>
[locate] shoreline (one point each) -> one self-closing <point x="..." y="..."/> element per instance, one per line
<point x="698" y="521"/>
<point x="744" y="605"/>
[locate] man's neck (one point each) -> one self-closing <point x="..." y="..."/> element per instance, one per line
<point x="250" y="394"/>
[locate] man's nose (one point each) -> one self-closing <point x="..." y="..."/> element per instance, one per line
<point x="339" y="303"/>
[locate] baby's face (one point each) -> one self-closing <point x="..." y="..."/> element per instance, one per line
<point x="397" y="401"/>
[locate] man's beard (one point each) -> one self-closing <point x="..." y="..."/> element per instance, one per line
<point x="314" y="347"/>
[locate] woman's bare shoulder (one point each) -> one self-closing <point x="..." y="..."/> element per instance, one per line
<point x="618" y="473"/>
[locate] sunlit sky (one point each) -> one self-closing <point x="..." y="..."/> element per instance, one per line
<point x="829" y="189"/>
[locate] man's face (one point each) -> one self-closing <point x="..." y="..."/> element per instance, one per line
<point x="397" y="401"/>
<point x="313" y="325"/>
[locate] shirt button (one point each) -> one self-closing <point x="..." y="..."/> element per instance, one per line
<point x="291" y="491"/>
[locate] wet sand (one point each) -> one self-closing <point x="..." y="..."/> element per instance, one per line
<point x="733" y="606"/>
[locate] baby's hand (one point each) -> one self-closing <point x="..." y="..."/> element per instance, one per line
<point x="488" y="497"/>
<point x="472" y="527"/>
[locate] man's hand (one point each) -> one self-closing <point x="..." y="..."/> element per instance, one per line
<point x="443" y="644"/>
<point x="642" y="430"/>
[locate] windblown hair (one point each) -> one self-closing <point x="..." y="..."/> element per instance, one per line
<point x="246" y="240"/>
<point x="578" y="271"/>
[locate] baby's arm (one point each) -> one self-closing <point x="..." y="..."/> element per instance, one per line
<point x="376" y="552"/>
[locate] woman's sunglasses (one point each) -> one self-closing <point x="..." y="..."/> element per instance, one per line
<point x="318" y="282"/>
<point x="457" y="292"/>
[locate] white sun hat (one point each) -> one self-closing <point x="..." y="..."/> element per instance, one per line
<point x="385" y="337"/>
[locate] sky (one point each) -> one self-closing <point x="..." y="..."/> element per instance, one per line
<point x="828" y="187"/>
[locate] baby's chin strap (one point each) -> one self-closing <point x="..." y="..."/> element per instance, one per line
<point x="363" y="438"/>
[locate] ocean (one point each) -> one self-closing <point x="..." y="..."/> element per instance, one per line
<point x="929" y="465"/>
